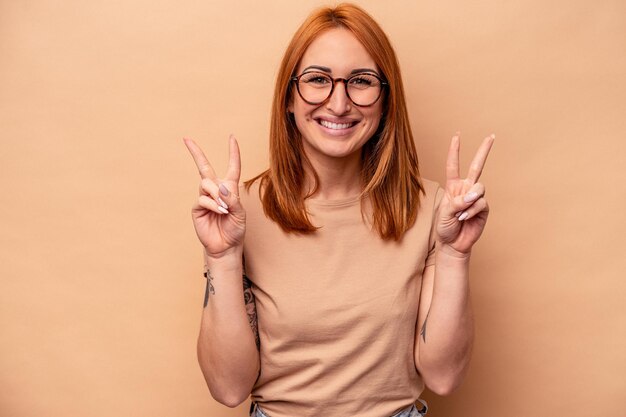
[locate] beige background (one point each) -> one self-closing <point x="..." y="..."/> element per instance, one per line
<point x="101" y="286"/>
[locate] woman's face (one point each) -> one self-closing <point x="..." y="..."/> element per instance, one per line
<point x="336" y="128"/>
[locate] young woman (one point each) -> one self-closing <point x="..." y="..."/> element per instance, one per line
<point x="354" y="267"/>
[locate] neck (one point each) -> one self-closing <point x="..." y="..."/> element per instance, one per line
<point x="338" y="177"/>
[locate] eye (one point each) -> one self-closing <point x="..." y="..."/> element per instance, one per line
<point x="315" y="78"/>
<point x="364" y="81"/>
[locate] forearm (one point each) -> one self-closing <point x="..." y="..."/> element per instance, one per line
<point x="445" y="339"/>
<point x="227" y="351"/>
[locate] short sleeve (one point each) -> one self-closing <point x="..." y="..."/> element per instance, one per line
<point x="432" y="240"/>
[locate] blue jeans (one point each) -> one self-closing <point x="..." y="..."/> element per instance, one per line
<point x="411" y="411"/>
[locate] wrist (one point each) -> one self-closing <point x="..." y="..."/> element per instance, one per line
<point x="448" y="251"/>
<point x="229" y="258"/>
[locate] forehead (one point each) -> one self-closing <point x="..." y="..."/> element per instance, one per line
<point x="339" y="50"/>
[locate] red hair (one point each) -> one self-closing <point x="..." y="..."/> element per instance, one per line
<point x="389" y="159"/>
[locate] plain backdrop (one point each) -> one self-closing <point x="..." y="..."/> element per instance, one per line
<point x="101" y="283"/>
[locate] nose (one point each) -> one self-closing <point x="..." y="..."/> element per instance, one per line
<point x="338" y="102"/>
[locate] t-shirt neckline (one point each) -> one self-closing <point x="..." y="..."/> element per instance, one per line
<point x="342" y="202"/>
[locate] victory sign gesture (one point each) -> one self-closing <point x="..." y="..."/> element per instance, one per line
<point x="218" y="216"/>
<point x="463" y="210"/>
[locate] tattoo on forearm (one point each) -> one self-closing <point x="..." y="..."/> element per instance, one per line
<point x="423" y="332"/>
<point x="249" y="300"/>
<point x="209" y="287"/>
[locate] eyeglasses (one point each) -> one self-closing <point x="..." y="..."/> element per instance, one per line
<point x="362" y="89"/>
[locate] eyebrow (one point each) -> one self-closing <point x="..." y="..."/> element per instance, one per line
<point x="326" y="69"/>
<point x="359" y="70"/>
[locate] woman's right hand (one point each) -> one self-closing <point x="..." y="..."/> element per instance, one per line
<point x="218" y="216"/>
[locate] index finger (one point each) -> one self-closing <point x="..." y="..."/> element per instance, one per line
<point x="476" y="168"/>
<point x="204" y="167"/>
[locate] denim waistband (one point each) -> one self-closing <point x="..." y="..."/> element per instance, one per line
<point x="411" y="411"/>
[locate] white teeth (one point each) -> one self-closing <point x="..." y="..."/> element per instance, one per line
<point x="331" y="125"/>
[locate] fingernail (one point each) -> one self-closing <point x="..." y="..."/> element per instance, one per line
<point x="458" y="214"/>
<point x="493" y="136"/>
<point x="222" y="209"/>
<point x="469" y="197"/>
<point x="221" y="202"/>
<point x="224" y="190"/>
<point x="463" y="216"/>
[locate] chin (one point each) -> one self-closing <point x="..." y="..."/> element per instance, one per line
<point x="339" y="152"/>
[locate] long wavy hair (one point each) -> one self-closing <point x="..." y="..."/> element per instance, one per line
<point x="389" y="160"/>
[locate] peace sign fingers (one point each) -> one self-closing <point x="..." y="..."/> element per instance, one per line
<point x="223" y="191"/>
<point x="464" y="210"/>
<point x="478" y="163"/>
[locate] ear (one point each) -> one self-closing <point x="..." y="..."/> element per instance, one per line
<point x="290" y="103"/>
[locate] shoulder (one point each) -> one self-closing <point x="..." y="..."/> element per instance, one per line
<point x="433" y="193"/>
<point x="250" y="197"/>
<point x="248" y="190"/>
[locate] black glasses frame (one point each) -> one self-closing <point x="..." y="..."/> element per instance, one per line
<point x="383" y="85"/>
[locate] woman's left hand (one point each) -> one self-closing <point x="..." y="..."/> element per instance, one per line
<point x="463" y="210"/>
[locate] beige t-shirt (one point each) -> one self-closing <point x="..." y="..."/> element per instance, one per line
<point x="337" y="310"/>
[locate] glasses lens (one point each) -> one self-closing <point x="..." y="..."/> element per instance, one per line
<point x="364" y="89"/>
<point x="315" y="87"/>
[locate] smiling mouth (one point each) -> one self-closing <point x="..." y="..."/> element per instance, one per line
<point x="336" y="126"/>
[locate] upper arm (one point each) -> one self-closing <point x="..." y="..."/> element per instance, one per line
<point x="425" y="299"/>
<point x="428" y="279"/>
